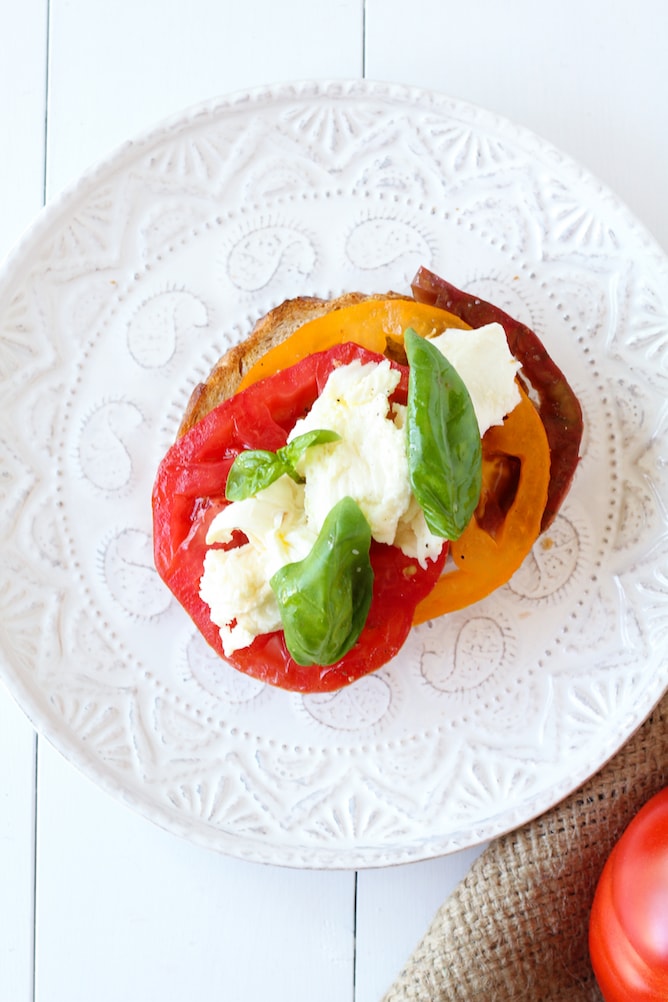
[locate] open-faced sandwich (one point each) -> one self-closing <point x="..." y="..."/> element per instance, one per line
<point x="355" y="467"/>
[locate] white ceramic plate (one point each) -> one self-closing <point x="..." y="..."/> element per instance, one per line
<point x="124" y="293"/>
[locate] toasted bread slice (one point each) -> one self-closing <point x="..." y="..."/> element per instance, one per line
<point x="272" y="329"/>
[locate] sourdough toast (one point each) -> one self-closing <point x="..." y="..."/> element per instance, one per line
<point x="273" y="328"/>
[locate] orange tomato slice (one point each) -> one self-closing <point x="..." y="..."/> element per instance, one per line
<point x="482" y="563"/>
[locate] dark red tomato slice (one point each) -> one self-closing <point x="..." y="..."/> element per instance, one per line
<point x="190" y="490"/>
<point x="557" y="404"/>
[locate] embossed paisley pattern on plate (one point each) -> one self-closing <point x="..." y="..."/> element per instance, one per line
<point x="123" y="295"/>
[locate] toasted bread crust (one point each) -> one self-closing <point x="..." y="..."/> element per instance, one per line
<point x="271" y="329"/>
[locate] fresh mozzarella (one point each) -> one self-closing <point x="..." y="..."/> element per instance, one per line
<point x="487" y="368"/>
<point x="369" y="462"/>
<point x="235" y="583"/>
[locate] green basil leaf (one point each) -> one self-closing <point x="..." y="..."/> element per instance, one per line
<point x="252" y="471"/>
<point x="324" y="599"/>
<point x="294" y="450"/>
<point x="255" y="469"/>
<point x="444" y="447"/>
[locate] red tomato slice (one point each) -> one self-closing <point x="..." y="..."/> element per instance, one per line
<point x="190" y="489"/>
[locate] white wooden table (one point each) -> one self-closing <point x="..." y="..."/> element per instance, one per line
<point x="96" y="902"/>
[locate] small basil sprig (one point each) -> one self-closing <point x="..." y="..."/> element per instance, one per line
<point x="324" y="599"/>
<point x="255" y="469"/>
<point x="444" y="448"/>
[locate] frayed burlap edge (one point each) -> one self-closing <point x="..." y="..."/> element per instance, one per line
<point x="516" y="927"/>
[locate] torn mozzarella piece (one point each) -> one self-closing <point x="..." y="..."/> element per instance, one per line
<point x="369" y="462"/>
<point x="487" y="368"/>
<point x="235" y="583"/>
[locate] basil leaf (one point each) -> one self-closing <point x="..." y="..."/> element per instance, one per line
<point x="255" y="469"/>
<point x="252" y="471"/>
<point x="294" y="450"/>
<point x="324" y="599"/>
<point x="444" y="447"/>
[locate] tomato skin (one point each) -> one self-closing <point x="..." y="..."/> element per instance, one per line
<point x="628" y="927"/>
<point x="189" y="490"/>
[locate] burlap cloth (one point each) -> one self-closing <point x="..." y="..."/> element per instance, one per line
<point x="516" y="927"/>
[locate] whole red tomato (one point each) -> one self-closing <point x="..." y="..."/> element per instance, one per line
<point x="628" y="928"/>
